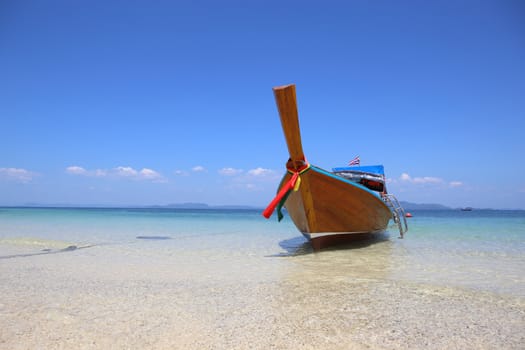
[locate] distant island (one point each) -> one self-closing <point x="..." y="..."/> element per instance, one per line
<point x="423" y="206"/>
<point x="200" y="206"/>
<point x="204" y="206"/>
<point x="406" y="206"/>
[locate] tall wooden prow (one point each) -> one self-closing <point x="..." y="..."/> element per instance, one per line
<point x="287" y="106"/>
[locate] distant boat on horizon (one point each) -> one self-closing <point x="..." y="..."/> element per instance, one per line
<point x="330" y="208"/>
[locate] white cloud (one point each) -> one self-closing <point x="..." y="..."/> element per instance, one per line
<point x="427" y="180"/>
<point x="405" y="177"/>
<point x="125" y="171"/>
<point x="260" y="172"/>
<point x="149" y="174"/>
<point x="76" y="170"/>
<point x="198" y="169"/>
<point x="118" y="172"/>
<point x="257" y="179"/>
<point x="17" y="175"/>
<point x="195" y="169"/>
<point x="230" y="171"/>
<point x="421" y="180"/>
<point x="430" y="180"/>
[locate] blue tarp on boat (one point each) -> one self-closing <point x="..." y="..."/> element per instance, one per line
<point x="374" y="169"/>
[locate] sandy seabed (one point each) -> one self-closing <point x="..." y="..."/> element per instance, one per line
<point x="109" y="298"/>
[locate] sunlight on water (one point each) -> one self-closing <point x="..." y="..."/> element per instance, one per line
<point x="482" y="250"/>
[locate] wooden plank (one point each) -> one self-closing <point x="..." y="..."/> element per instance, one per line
<point x="287" y="106"/>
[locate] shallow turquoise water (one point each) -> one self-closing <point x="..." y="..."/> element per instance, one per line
<point x="483" y="250"/>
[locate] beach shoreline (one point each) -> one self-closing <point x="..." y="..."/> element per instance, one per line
<point x="103" y="297"/>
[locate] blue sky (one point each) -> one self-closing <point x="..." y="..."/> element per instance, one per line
<point x="157" y="102"/>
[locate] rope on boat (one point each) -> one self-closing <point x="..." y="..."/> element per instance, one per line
<point x="292" y="184"/>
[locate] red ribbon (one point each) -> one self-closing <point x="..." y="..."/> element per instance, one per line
<point x="291" y="184"/>
<point x="288" y="186"/>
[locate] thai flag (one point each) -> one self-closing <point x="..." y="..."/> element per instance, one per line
<point x="355" y="161"/>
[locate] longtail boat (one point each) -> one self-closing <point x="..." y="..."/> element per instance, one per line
<point x="329" y="208"/>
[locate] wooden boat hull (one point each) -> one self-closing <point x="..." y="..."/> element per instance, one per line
<point x="328" y="209"/>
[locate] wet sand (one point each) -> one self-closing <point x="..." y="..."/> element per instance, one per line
<point x="107" y="297"/>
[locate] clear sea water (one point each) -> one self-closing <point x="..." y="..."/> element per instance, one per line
<point x="481" y="250"/>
